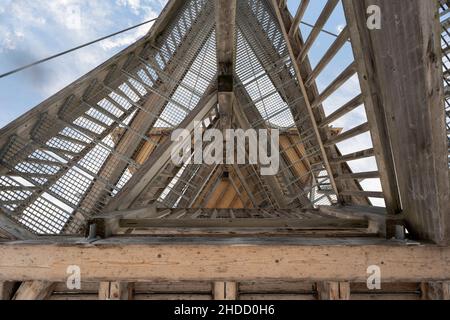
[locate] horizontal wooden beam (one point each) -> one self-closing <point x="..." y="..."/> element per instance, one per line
<point x="150" y="259"/>
<point x="364" y="194"/>
<point x="368" y="153"/>
<point x="309" y="224"/>
<point x="359" y="176"/>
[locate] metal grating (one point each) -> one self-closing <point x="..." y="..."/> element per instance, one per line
<point x="67" y="171"/>
<point x="445" y="20"/>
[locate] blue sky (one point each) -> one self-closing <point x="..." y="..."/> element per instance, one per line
<point x="31" y="30"/>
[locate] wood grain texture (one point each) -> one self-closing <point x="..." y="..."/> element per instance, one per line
<point x="140" y="260"/>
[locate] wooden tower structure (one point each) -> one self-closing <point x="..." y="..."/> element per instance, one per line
<point x="87" y="181"/>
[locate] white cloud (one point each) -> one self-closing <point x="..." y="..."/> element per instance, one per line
<point x="134" y="5"/>
<point x="148" y="13"/>
<point x="32" y="31"/>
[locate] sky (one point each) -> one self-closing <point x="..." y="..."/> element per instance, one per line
<point x="31" y="30"/>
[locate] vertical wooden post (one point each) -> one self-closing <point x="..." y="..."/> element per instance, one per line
<point x="225" y="290"/>
<point x="6" y="290"/>
<point x="402" y="75"/>
<point x="115" y="291"/>
<point x="333" y="290"/>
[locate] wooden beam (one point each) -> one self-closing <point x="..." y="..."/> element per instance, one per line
<point x="330" y="290"/>
<point x="323" y="18"/>
<point x="319" y="223"/>
<point x="271" y="181"/>
<point x="329" y="55"/>
<point x="298" y="17"/>
<point x="379" y="221"/>
<point x="359" y="36"/>
<point x="151" y="259"/>
<point x="23" y="125"/>
<point x="6" y="290"/>
<point x="225" y="290"/>
<point x="108" y="224"/>
<point x="400" y="73"/>
<point x="159" y="159"/>
<point x="225" y="12"/>
<point x="34" y="290"/>
<point x="13" y="229"/>
<point x="115" y="291"/>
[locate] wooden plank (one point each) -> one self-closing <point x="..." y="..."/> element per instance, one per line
<point x="384" y="297"/>
<point x="298" y="17"/>
<point x="368" y="153"/>
<point x="329" y="55"/>
<point x="86" y="288"/>
<point x="436" y="290"/>
<point x="108" y="224"/>
<point x="359" y="176"/>
<point x="406" y="78"/>
<point x="298" y="224"/>
<point x="359" y="36"/>
<point x="363" y="128"/>
<point x="172" y="287"/>
<point x="280" y="287"/>
<point x="323" y="18"/>
<point x="13" y="229"/>
<point x="73" y="297"/>
<point x="6" y="290"/>
<point x="396" y="287"/>
<point x="225" y="15"/>
<point x="331" y="290"/>
<point x="173" y="297"/>
<point x="34" y="290"/>
<point x="148" y="260"/>
<point x="367" y="194"/>
<point x="225" y="290"/>
<point x="348" y="107"/>
<point x="349" y="72"/>
<point x="276" y="297"/>
<point x="378" y="219"/>
<point x="115" y="291"/>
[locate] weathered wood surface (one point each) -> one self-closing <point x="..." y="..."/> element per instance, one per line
<point x="224" y="260"/>
<point x="13" y="229"/>
<point x="34" y="290"/>
<point x="401" y="76"/>
<point x="225" y="290"/>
